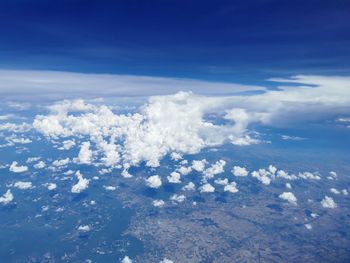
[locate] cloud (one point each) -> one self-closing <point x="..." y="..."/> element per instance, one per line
<point x="29" y="85"/>
<point x="189" y="187"/>
<point x="6" y="198"/>
<point x="154" y="181"/>
<point x="23" y="185"/>
<point x="289" y="196"/>
<point x="84" y="228"/>
<point x="178" y="198"/>
<point x="165" y="260"/>
<point x="81" y="185"/>
<point x="263" y="176"/>
<point x="239" y="171"/>
<point x="67" y="145"/>
<point x="85" y="154"/>
<point x="18" y="169"/>
<point x="328" y="202"/>
<point x="51" y="186"/>
<point x="207" y="188"/>
<point x="39" y="165"/>
<point x="158" y="203"/>
<point x="174" y="178"/>
<point x="214" y="169"/>
<point x="164" y="125"/>
<point x="199" y="165"/>
<point x="232" y="187"/>
<point x="179" y="123"/>
<point x="61" y="162"/>
<point x="334" y="191"/>
<point x="126" y="259"/>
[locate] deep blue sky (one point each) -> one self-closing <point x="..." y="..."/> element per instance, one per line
<point x="220" y="40"/>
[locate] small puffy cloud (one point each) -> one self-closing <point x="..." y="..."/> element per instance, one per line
<point x="309" y="176"/>
<point x="21" y="140"/>
<point x="51" y="186"/>
<point x="292" y="138"/>
<point x="221" y="181"/>
<point x="334" y="191"/>
<point x="199" y="165"/>
<point x="39" y="165"/>
<point x="184" y="170"/>
<point x="189" y="187"/>
<point x="125" y="173"/>
<point x="33" y="159"/>
<point x="6" y="198"/>
<point x="16" y="128"/>
<point x="61" y="162"/>
<point x="23" y="185"/>
<point x="85" y="154"/>
<point x="154" y="181"/>
<point x="126" y="259"/>
<point x="272" y="169"/>
<point x="67" y="145"/>
<point x="288" y="185"/>
<point x="232" y="188"/>
<point x="344" y="192"/>
<point x="174" y="178"/>
<point x="81" y="185"/>
<point x="110" y="188"/>
<point x="239" y="171"/>
<point x="18" y="169"/>
<point x="158" y="203"/>
<point x="214" y="169"/>
<point x="288" y="196"/>
<point x="263" y="176"/>
<point x="178" y="198"/>
<point x="285" y="175"/>
<point x="207" y="188"/>
<point x="328" y="202"/>
<point x="84" y="228"/>
<point x="165" y="260"/>
<point x="308" y="226"/>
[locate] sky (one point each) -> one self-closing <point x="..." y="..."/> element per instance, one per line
<point x="225" y="41"/>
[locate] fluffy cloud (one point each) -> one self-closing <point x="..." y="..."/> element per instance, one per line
<point x="199" y="165"/>
<point x="18" y="169"/>
<point x="39" y="165"/>
<point x="67" y="144"/>
<point x="61" y="162"/>
<point x="207" y="188"/>
<point x="85" y="154"/>
<point x="178" y="198"/>
<point x="328" y="202"/>
<point x="126" y="259"/>
<point x="6" y="198"/>
<point x="232" y="188"/>
<point x="214" y="169"/>
<point x="288" y="196"/>
<point x="23" y="185"/>
<point x="263" y="176"/>
<point x="174" y="178"/>
<point x="165" y="124"/>
<point x="239" y="171"/>
<point x="189" y="187"/>
<point x="154" y="181"/>
<point x="81" y="185"/>
<point x="158" y="203"/>
<point x="51" y="186"/>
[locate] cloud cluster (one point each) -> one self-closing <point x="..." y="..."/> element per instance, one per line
<point x="6" y="198"/>
<point x="164" y="125"/>
<point x="288" y="196"/>
<point x="18" y="169"/>
<point x="81" y="185"/>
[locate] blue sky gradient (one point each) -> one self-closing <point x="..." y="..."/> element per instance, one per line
<point x="241" y="41"/>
